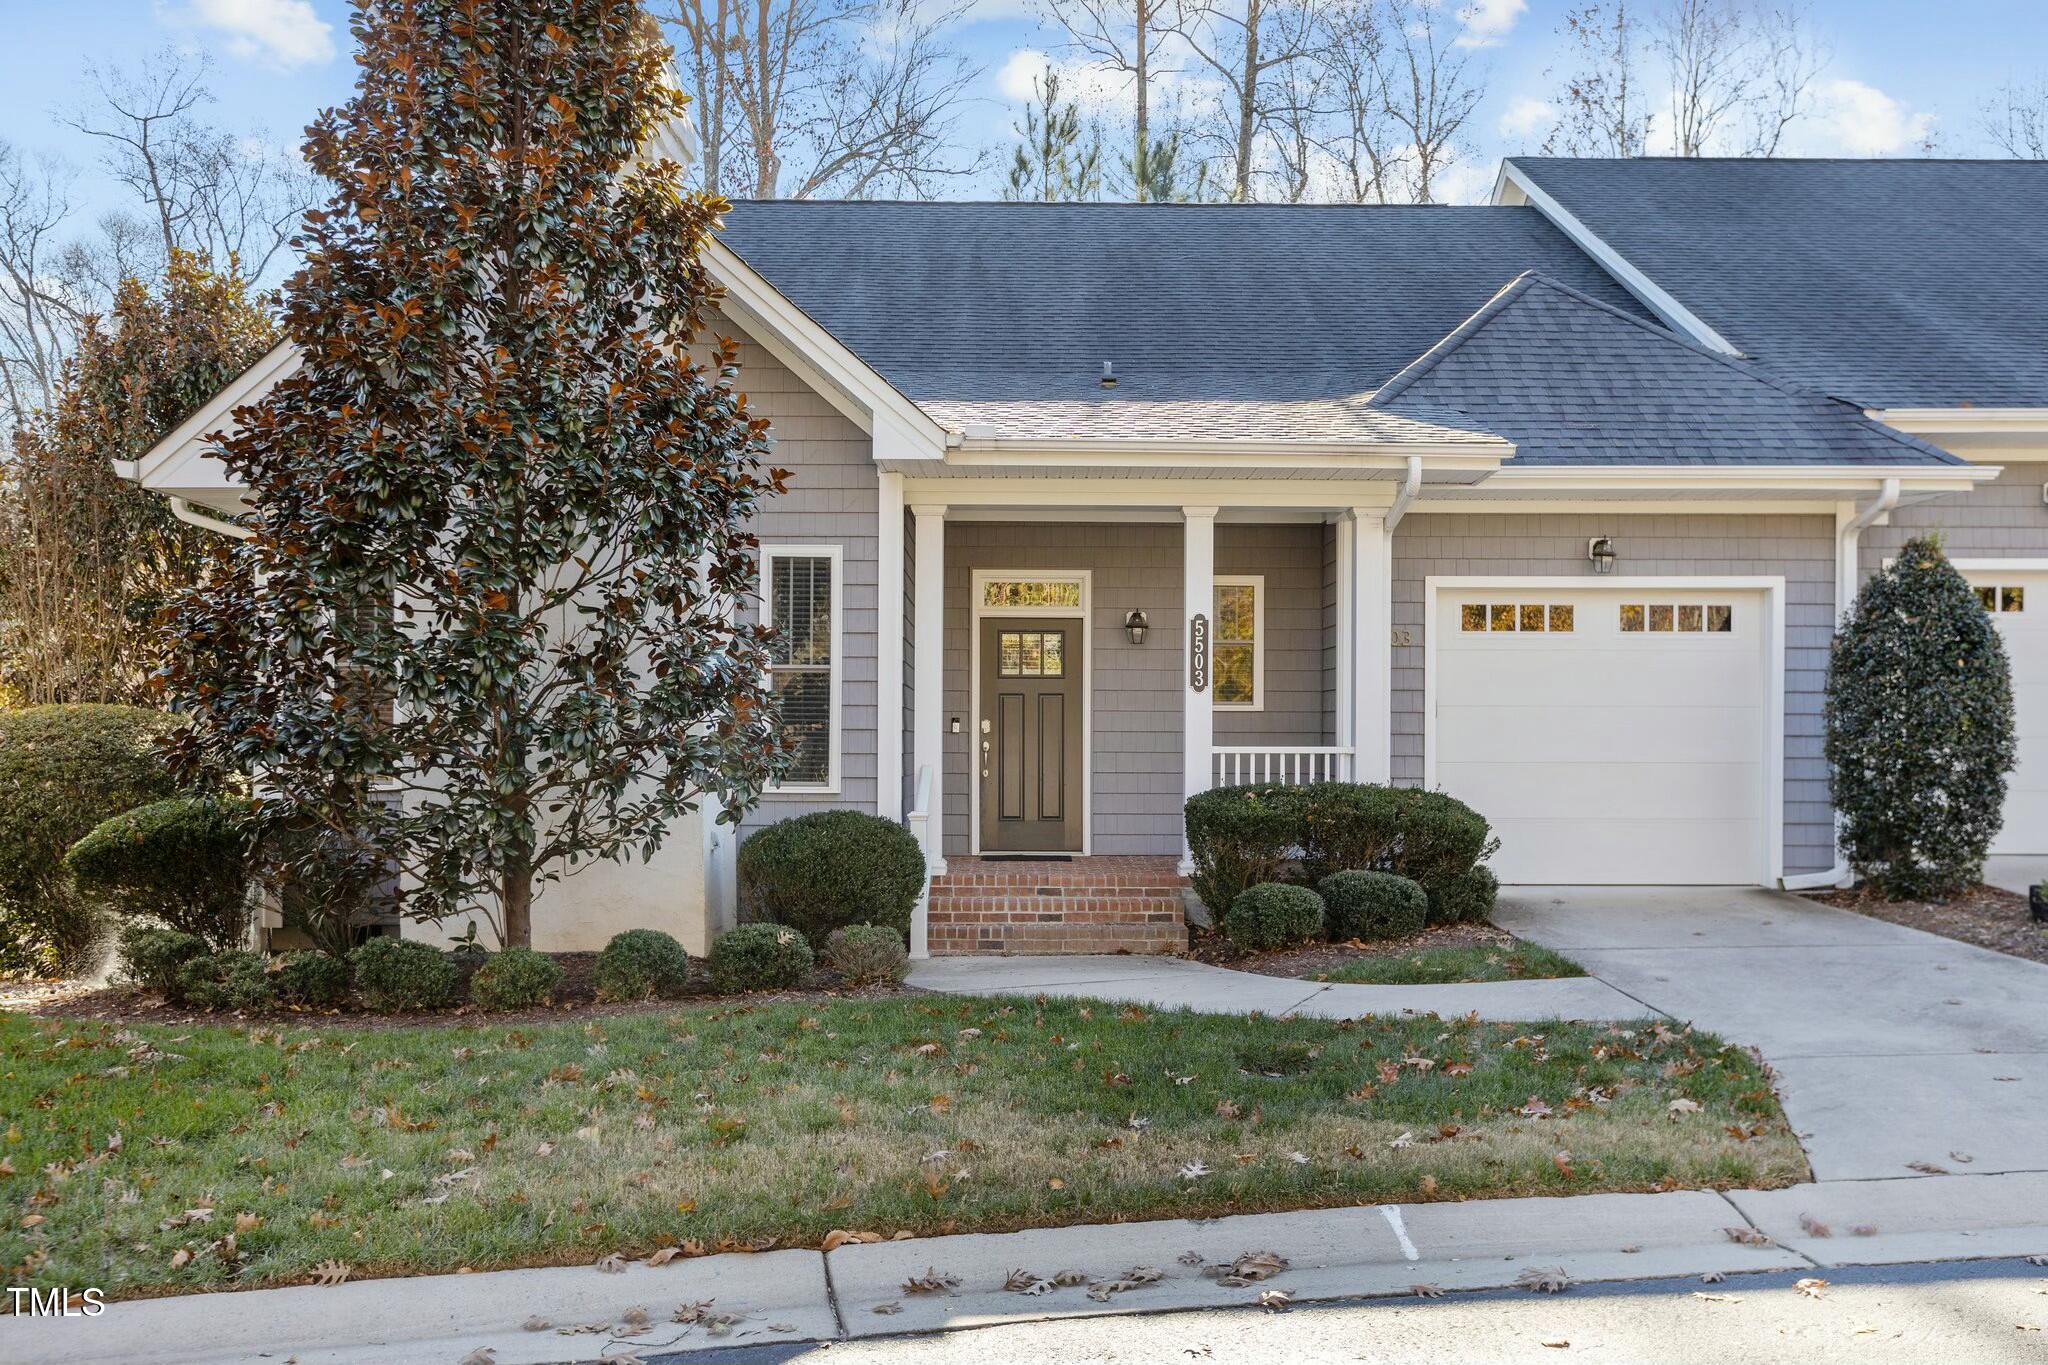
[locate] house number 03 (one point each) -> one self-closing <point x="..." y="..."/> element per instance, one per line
<point x="1403" y="636"/>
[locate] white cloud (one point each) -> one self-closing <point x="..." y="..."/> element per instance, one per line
<point x="280" y="33"/>
<point x="1862" y="120"/>
<point x="1486" y="23"/>
<point x="1095" y="87"/>
<point x="1526" y="118"/>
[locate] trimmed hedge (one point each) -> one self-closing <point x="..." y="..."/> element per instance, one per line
<point x="402" y="975"/>
<point x="1370" y="905"/>
<point x="183" y="861"/>
<point x="63" y="769"/>
<point x="151" y="956"/>
<point x="866" y="954"/>
<point x="313" y="979"/>
<point x="231" y="980"/>
<point x="1273" y="915"/>
<point x="1467" y="900"/>
<point x="759" y="957"/>
<point x="1240" y="836"/>
<point x="831" y="869"/>
<point x="641" y="964"/>
<point x="517" y="978"/>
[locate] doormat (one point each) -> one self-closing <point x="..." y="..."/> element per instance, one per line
<point x="1027" y="857"/>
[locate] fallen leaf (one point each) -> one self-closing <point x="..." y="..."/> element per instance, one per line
<point x="1814" y="1227"/>
<point x="1714" y="1277"/>
<point x="887" y="1309"/>
<point x="1557" y="1343"/>
<point x="1027" y="1282"/>
<point x="1538" y="1280"/>
<point x="180" y="1258"/>
<point x="635" y="1318"/>
<point x="1249" y="1269"/>
<point x="1682" y="1106"/>
<point x="1136" y="1277"/>
<point x="1275" y="1300"/>
<point x="536" y="1323"/>
<point x="610" y="1264"/>
<point x="482" y="1355"/>
<point x="931" y="1282"/>
<point x="329" y="1273"/>
<point x="1747" y="1236"/>
<point x="1926" y="1168"/>
<point x="1426" y="1291"/>
<point x="840" y="1237"/>
<point x="662" y="1256"/>
<point x="1810" y="1287"/>
<point x="1715" y="1298"/>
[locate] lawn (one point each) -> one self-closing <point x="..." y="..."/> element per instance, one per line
<point x="154" y="1158"/>
<point x="1469" y="962"/>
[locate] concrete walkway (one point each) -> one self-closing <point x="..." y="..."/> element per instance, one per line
<point x="782" y="1298"/>
<point x="1896" y="1050"/>
<point x="1171" y="982"/>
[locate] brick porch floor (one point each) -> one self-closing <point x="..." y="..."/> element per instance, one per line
<point x="1114" y="904"/>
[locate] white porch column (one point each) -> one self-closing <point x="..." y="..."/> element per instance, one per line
<point x="889" y="649"/>
<point x="1372" y="597"/>
<point x="1345" y="703"/>
<point x="928" y="681"/>
<point x="1198" y="599"/>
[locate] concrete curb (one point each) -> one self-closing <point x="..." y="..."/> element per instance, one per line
<point x="806" y="1296"/>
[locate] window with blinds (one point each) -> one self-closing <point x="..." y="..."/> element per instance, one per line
<point x="800" y="595"/>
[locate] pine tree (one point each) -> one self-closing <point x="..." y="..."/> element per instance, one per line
<point x="1058" y="158"/>
<point x="1919" y="719"/>
<point x="499" y="511"/>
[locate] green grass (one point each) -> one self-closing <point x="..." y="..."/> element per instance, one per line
<point x="1470" y="962"/>
<point x="404" y="1150"/>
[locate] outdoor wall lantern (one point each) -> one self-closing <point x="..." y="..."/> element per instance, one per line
<point x="1601" y="551"/>
<point x="1135" y="625"/>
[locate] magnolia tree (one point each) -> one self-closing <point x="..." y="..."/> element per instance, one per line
<point x="482" y="628"/>
<point x="1919" y="727"/>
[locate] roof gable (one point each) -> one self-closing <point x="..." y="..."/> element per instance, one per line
<point x="1887" y="283"/>
<point x="1573" y="381"/>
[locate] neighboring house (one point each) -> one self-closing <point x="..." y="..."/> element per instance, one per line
<point x="1095" y="506"/>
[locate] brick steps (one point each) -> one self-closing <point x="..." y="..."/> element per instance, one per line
<point x="1089" y="905"/>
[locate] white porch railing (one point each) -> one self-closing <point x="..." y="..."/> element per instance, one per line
<point x="1290" y="765"/>
<point x="923" y="828"/>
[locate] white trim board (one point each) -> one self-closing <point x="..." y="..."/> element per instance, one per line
<point x="1772" y="854"/>
<point x="769" y="552"/>
<point x="976" y="611"/>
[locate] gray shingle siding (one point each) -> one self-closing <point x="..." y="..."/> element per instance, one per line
<point x="832" y="499"/>
<point x="1290" y="558"/>
<point x="2005" y="519"/>
<point x="1800" y="548"/>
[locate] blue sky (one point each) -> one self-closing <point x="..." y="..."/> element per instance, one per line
<point x="1900" y="69"/>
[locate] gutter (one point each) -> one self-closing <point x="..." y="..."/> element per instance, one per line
<point x="1847" y="538"/>
<point x="1410" y="486"/>
<point x="183" y="510"/>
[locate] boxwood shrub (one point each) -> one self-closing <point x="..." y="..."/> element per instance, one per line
<point x="63" y="769"/>
<point x="1466" y="899"/>
<point x="1372" y="905"/>
<point x="231" y="980"/>
<point x="517" y="978"/>
<point x="1273" y="915"/>
<point x="310" y="978"/>
<point x="867" y="954"/>
<point x="829" y="869"/>
<point x="1240" y="836"/>
<point x="759" y="957"/>
<point x="641" y="964"/>
<point x="151" y="955"/>
<point x="183" y="861"/>
<point x="402" y="975"/>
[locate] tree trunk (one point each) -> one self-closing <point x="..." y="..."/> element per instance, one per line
<point x="1247" y="101"/>
<point x="515" y="900"/>
<point x="1143" y="165"/>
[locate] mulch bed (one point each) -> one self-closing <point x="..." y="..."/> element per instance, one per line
<point x="1320" y="958"/>
<point x="1983" y="915"/>
<point x="577" y="999"/>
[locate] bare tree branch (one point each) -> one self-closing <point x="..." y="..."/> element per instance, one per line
<point x="1430" y="92"/>
<point x="1248" y="46"/>
<point x="2016" y="118"/>
<point x="1124" y="36"/>
<point x="40" y="308"/>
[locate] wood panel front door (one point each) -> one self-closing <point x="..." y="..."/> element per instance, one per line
<point x="1028" y="754"/>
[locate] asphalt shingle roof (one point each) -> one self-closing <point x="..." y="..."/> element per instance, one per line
<point x="1889" y="283"/>
<point x="1223" y="322"/>
<point x="1573" y="381"/>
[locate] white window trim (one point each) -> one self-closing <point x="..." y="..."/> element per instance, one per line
<point x="1257" y="583"/>
<point x="836" y="554"/>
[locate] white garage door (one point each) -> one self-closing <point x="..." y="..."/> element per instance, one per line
<point x="1609" y="735"/>
<point x="2018" y="602"/>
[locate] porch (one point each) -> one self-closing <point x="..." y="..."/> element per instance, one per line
<point x="1096" y="667"/>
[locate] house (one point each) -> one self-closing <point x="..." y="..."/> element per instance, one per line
<point x="1552" y="503"/>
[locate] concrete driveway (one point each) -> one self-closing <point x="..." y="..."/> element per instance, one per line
<point x="1893" y="1047"/>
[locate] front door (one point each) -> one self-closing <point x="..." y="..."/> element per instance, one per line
<point x="1029" y="748"/>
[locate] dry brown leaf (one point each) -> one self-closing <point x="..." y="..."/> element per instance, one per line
<point x="1248" y="1269"/>
<point x="1926" y="1168"/>
<point x="1811" y="1288"/>
<point x="1136" y="1277"/>
<point x="1541" y="1280"/>
<point x="662" y="1256"/>
<point x="933" y="1281"/>
<point x="330" y="1272"/>
<point x="180" y="1258"/>
<point x="1814" y="1227"/>
<point x="482" y="1355"/>
<point x="887" y="1309"/>
<point x="1426" y="1291"/>
<point x="536" y="1323"/>
<point x="1864" y="1230"/>
<point x="1275" y="1300"/>
<point x="1747" y="1236"/>
<point x="1557" y="1343"/>
<point x="840" y="1237"/>
<point x="1714" y="1277"/>
<point x="610" y="1264"/>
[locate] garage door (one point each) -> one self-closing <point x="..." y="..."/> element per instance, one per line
<point x="1609" y="735"/>
<point x="2018" y="602"/>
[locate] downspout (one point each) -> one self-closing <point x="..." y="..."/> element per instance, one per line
<point x="1410" y="486"/>
<point x="184" y="511"/>
<point x="1847" y="539"/>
